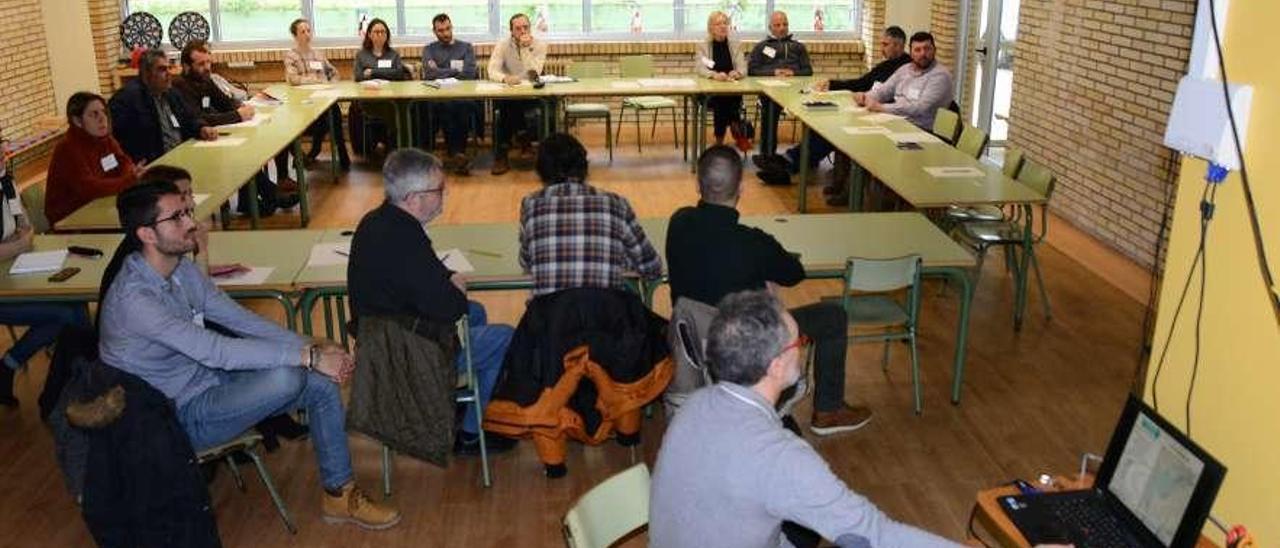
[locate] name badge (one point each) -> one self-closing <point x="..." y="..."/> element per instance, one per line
<point x="708" y="63"/>
<point x="173" y="120"/>
<point x="384" y="63"/>
<point x="914" y="93"/>
<point x="109" y="162"/>
<point x="769" y="52"/>
<point x="198" y="318"/>
<point x="455" y="64"/>
<point x="204" y="102"/>
<point x="315" y="65"/>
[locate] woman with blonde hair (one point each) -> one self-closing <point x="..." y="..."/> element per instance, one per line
<point x="719" y="58"/>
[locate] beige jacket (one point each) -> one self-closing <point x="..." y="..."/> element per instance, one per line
<point x="308" y="68"/>
<point x="702" y="57"/>
<point x="508" y="59"/>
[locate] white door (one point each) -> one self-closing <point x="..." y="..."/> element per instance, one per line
<point x="994" y="77"/>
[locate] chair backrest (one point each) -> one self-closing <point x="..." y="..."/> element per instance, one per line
<point x="585" y="69"/>
<point x="636" y="66"/>
<point x="33" y="202"/>
<point x="687" y="334"/>
<point x="1038" y="177"/>
<point x="946" y="124"/>
<point x="881" y="275"/>
<point x="610" y="510"/>
<point x="973" y="141"/>
<point x="1012" y="162"/>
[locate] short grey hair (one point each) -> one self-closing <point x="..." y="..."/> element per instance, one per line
<point x="409" y="170"/>
<point x="719" y="174"/>
<point x="747" y="333"/>
<point x="151" y="58"/>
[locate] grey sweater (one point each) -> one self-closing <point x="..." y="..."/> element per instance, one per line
<point x="728" y="474"/>
<point x="390" y="68"/>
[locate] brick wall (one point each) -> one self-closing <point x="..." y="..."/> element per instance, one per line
<point x="104" y="20"/>
<point x="944" y="24"/>
<point x="873" y="17"/>
<point x="1093" y="84"/>
<point x="25" y="81"/>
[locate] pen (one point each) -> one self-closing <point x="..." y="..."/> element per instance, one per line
<point x="343" y="253"/>
<point x="484" y="253"/>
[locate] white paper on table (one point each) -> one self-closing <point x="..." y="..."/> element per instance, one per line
<point x="666" y="83"/>
<point x="262" y="102"/>
<point x="880" y="117"/>
<point x="946" y="172"/>
<point x="455" y="260"/>
<point x="867" y="130"/>
<point x="912" y="137"/>
<point x="490" y="86"/>
<point x="556" y="79"/>
<point x="329" y="254"/>
<point x="315" y="86"/>
<point x="257" y="120"/>
<point x="624" y="84"/>
<point x="771" y="83"/>
<point x="199" y="198"/>
<point x="39" y="261"/>
<point x="221" y="142"/>
<point x="441" y="82"/>
<point x="255" y="276"/>
<point x="854" y="109"/>
<point x="376" y="83"/>
<point x="324" y="93"/>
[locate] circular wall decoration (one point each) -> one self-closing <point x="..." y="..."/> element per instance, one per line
<point x="186" y="27"/>
<point x="141" y="29"/>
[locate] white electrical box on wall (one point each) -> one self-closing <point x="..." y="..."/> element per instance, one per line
<point x="1198" y="123"/>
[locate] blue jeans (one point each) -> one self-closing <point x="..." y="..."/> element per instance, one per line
<point x="44" y="321"/>
<point x="243" y="398"/>
<point x="488" y="348"/>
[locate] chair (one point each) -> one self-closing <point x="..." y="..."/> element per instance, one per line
<point x="33" y="202"/>
<point x="946" y="124"/>
<point x="577" y="111"/>
<point x="960" y="214"/>
<point x="467" y="391"/>
<point x="641" y="66"/>
<point x="609" y="511"/>
<point x="1009" y="233"/>
<point x="874" y="312"/>
<point x="245" y="444"/>
<point x="972" y="141"/>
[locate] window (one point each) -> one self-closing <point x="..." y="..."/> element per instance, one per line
<point x="339" y="22"/>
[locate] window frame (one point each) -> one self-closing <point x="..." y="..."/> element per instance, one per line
<point x="498" y="31"/>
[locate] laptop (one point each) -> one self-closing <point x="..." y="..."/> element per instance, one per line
<point x="1154" y="489"/>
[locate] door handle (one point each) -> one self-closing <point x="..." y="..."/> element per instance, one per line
<point x="982" y="50"/>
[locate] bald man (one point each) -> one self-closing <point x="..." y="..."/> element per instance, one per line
<point x="779" y="56"/>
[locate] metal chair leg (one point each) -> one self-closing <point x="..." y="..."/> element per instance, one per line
<point x="235" y="472"/>
<point x="915" y="374"/>
<point x="271" y="490"/>
<point x="638" y="147"/>
<point x="386" y="471"/>
<point x="1044" y="294"/>
<point x="608" y="135"/>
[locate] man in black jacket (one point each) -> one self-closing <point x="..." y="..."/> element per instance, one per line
<point x="710" y="255"/>
<point x="893" y="52"/>
<point x="780" y="56"/>
<point x="202" y="96"/>
<point x="149" y="117"/>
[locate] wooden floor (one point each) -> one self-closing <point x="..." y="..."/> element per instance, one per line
<point x="1032" y="401"/>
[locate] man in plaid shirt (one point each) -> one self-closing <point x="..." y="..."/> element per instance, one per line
<point x="573" y="235"/>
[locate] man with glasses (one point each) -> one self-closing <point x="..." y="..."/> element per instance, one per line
<point x="149" y="117"/>
<point x="729" y="474"/>
<point x="449" y="57"/>
<point x="710" y="255"/>
<point x="395" y="272"/>
<point x="152" y="324"/>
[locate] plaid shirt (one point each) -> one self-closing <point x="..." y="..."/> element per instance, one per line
<point x="572" y="235"/>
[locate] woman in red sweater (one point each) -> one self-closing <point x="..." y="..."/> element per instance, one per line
<point x="88" y="163"/>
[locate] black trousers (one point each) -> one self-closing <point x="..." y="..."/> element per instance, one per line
<point x="513" y="117"/>
<point x="769" y="114"/>
<point x="827" y="325"/>
<point x="319" y="131"/>
<point x="454" y="118"/>
<point x="725" y="109"/>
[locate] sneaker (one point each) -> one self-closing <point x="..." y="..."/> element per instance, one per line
<point x="468" y="445"/>
<point x="846" y="419"/>
<point x="461" y="164"/>
<point x="287" y="186"/>
<point x="500" y="165"/>
<point x="353" y="506"/>
<point x="838" y="200"/>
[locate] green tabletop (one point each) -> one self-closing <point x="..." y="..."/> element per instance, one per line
<point x="483" y="89"/>
<point x="82" y="286"/>
<point x="903" y="170"/>
<point x="492" y="248"/>
<point x="218" y="171"/>
<point x="286" y="251"/>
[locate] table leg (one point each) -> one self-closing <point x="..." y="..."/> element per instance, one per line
<point x="962" y="328"/>
<point x="1021" y="268"/>
<point x="335" y="125"/>
<point x="804" y="169"/>
<point x="304" y="199"/>
<point x="253" y="202"/>
<point x="857" y="186"/>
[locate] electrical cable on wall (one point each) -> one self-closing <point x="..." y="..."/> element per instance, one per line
<point x="1196" y="262"/>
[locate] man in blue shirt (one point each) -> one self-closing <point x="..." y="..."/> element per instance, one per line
<point x="152" y="324"/>
<point x="450" y="58"/>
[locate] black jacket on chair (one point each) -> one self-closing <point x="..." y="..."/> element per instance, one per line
<point x="142" y="486"/>
<point x="135" y="121"/>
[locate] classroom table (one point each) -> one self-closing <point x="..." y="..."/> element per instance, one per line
<point x="824" y="242"/>
<point x="220" y="171"/>
<point x="284" y="250"/>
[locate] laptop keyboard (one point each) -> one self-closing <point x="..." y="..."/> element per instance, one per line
<point x="1090" y="525"/>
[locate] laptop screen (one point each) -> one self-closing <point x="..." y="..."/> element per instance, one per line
<point x="1155" y="477"/>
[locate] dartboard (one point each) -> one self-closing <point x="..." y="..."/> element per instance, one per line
<point x="186" y="27"/>
<point x="141" y="29"/>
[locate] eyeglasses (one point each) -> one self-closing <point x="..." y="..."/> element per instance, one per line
<point x="177" y="217"/>
<point x="437" y="190"/>
<point x="801" y="341"/>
